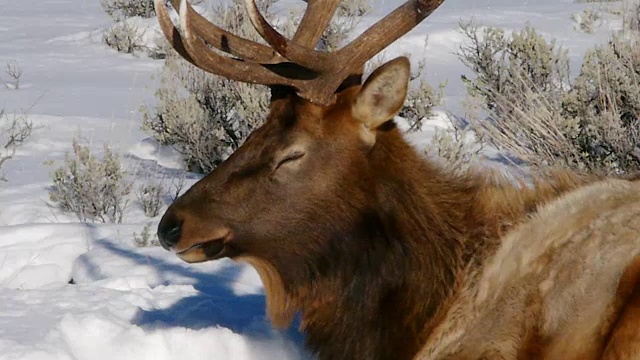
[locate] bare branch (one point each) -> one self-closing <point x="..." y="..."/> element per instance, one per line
<point x="14" y="71"/>
<point x="12" y="136"/>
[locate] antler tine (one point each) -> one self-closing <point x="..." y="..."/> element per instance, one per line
<point x="350" y="59"/>
<point x="169" y="30"/>
<point x="315" y="75"/>
<point x="315" y="20"/>
<point x="384" y="32"/>
<point x="196" y="51"/>
<point x="296" y="53"/>
<point x="228" y="42"/>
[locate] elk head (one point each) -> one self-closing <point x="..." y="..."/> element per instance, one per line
<point x="293" y="189"/>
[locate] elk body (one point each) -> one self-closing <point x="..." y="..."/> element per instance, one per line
<point x="383" y="254"/>
<point x="562" y="285"/>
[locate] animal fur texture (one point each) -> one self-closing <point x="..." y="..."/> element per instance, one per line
<point x="562" y="285"/>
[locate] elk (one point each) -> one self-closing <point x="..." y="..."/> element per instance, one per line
<point x="381" y="252"/>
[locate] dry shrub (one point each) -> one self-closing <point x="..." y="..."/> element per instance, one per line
<point x="14" y="73"/>
<point x="93" y="189"/>
<point x="509" y="65"/>
<point x="631" y="17"/>
<point x="353" y="8"/>
<point x="150" y="197"/>
<point x="457" y="147"/>
<point x="538" y="114"/>
<point x="421" y="99"/>
<point x="604" y="105"/>
<point x="122" y="9"/>
<point x="124" y="37"/>
<point x="588" y="21"/>
<point x="206" y="117"/>
<point x="531" y="128"/>
<point x="146" y="237"/>
<point x="14" y="131"/>
<point x="200" y="114"/>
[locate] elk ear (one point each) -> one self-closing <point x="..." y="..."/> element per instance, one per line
<point x="381" y="96"/>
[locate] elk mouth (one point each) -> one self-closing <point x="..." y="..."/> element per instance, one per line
<point x="207" y="250"/>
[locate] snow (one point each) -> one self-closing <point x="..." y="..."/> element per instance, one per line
<point x="39" y="255"/>
<point x="84" y="291"/>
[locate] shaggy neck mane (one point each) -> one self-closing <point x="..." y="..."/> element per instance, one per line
<point x="376" y="290"/>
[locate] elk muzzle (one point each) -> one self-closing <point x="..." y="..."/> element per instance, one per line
<point x="193" y="243"/>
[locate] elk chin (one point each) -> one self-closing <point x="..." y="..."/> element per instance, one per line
<point x="206" y="251"/>
<point x="193" y="255"/>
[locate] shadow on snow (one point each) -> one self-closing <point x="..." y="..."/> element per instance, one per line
<point x="215" y="304"/>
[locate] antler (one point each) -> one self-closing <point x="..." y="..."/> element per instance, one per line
<point x="228" y="42"/>
<point x="316" y="18"/>
<point x="315" y="75"/>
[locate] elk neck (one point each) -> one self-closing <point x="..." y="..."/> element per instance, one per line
<point x="402" y="264"/>
<point x="383" y="271"/>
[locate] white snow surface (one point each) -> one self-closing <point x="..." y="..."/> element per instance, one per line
<point x="70" y="290"/>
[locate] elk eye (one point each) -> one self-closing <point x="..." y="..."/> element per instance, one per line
<point x="289" y="158"/>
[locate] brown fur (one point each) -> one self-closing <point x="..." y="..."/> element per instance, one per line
<point x="554" y="287"/>
<point x="384" y="254"/>
<point x="623" y="340"/>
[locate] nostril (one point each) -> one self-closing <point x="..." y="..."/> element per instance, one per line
<point x="169" y="231"/>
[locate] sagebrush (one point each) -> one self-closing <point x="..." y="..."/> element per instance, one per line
<point x="146" y="237"/>
<point x="204" y="117"/>
<point x="421" y="99"/>
<point x="93" y="189"/>
<point x="505" y="64"/>
<point x="545" y="118"/>
<point x="587" y="21"/>
<point x="457" y="147"/>
<point x="353" y="8"/>
<point x="151" y="197"/>
<point x="124" y="37"/>
<point x="631" y="17"/>
<point x="125" y="34"/>
<point x="122" y="9"/>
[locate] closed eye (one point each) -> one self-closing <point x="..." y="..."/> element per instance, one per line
<point x="290" y="158"/>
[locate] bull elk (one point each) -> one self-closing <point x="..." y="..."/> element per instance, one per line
<point x="382" y="253"/>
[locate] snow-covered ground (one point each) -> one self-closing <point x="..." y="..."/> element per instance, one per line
<point x="127" y="302"/>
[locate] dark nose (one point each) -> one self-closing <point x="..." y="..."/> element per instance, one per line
<point x="169" y="231"/>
